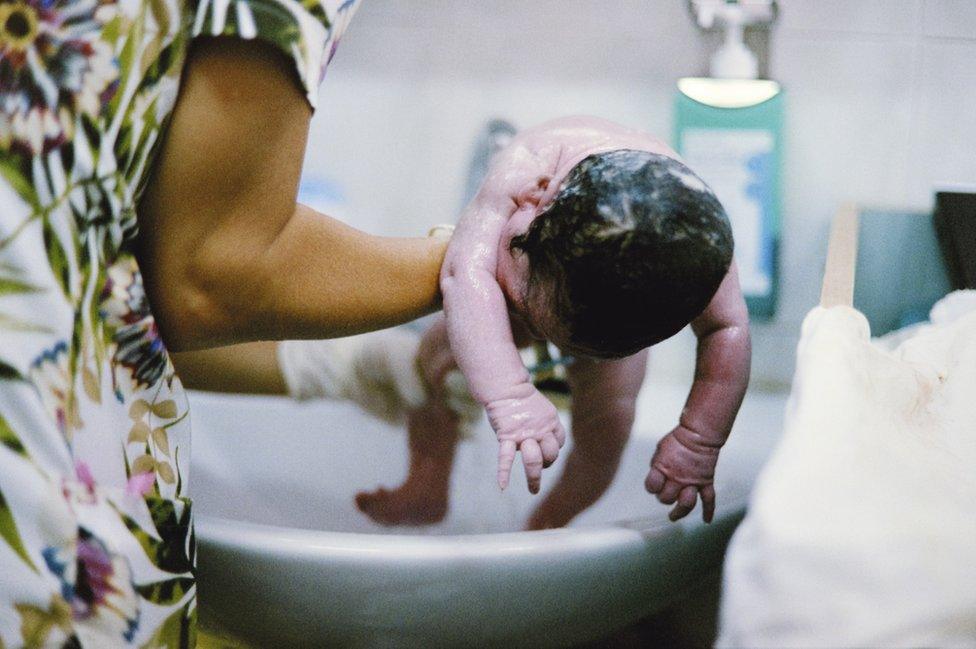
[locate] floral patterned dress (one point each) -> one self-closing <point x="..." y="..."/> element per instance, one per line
<point x="96" y="535"/>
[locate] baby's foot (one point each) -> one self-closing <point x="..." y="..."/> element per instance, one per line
<point x="422" y="498"/>
<point x="587" y="475"/>
<point x="408" y="504"/>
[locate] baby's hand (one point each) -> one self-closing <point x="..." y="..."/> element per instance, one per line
<point x="525" y="420"/>
<point x="681" y="469"/>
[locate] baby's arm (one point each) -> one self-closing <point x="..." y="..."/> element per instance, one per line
<point x="684" y="464"/>
<point x="604" y="396"/>
<point x="481" y="335"/>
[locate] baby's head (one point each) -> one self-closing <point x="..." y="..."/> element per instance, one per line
<point x="632" y="248"/>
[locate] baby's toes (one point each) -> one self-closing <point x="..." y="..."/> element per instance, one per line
<point x="371" y="503"/>
<point x="365" y="499"/>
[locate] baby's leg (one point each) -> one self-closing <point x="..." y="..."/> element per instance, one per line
<point x="422" y="498"/>
<point x="588" y="473"/>
<point x="604" y="396"/>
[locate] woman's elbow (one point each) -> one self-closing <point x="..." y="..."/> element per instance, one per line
<point x="197" y="307"/>
<point x="187" y="318"/>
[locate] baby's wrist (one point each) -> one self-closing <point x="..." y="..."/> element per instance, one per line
<point x="699" y="441"/>
<point x="522" y="390"/>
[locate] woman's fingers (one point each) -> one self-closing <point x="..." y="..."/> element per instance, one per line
<point x="550" y="450"/>
<point x="708" y="502"/>
<point x="687" y="499"/>
<point x="506" y="458"/>
<point x="532" y="461"/>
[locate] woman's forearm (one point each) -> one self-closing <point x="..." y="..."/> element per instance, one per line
<point x="319" y="278"/>
<point x="353" y="282"/>
<point x="251" y="368"/>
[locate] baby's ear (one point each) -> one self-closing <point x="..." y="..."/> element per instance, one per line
<point x="533" y="192"/>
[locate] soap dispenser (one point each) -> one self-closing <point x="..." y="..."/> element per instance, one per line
<point x="728" y="128"/>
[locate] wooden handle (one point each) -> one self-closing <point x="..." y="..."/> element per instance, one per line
<point x="838" y="281"/>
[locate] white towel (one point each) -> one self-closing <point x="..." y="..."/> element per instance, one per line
<point x="861" y="530"/>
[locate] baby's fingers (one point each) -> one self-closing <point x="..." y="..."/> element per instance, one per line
<point x="708" y="502"/>
<point x="506" y="458"/>
<point x="550" y="450"/>
<point x="669" y="494"/>
<point x="560" y="433"/>
<point x="655" y="481"/>
<point x="686" y="502"/>
<point x="532" y="461"/>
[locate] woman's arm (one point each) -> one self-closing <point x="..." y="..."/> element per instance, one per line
<point x="249" y="368"/>
<point x="227" y="254"/>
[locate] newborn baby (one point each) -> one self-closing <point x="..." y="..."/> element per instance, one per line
<point x="596" y="238"/>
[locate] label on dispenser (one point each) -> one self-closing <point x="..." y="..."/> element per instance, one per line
<point x="737" y="165"/>
<point x="730" y="132"/>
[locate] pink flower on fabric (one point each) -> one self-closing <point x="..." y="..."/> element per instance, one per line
<point x="140" y="484"/>
<point x="83" y="471"/>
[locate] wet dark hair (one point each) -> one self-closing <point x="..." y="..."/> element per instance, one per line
<point x="632" y="248"/>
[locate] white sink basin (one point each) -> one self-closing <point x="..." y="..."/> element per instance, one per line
<point x="285" y="559"/>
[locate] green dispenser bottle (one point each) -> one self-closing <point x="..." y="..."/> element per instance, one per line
<point x="728" y="128"/>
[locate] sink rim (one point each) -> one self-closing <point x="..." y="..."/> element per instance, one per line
<point x="277" y="540"/>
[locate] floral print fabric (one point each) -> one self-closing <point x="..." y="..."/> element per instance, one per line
<point x="96" y="535"/>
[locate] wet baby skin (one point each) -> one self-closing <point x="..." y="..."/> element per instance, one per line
<point x="483" y="282"/>
<point x="604" y="396"/>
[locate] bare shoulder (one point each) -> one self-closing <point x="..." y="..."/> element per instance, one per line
<point x="241" y="98"/>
